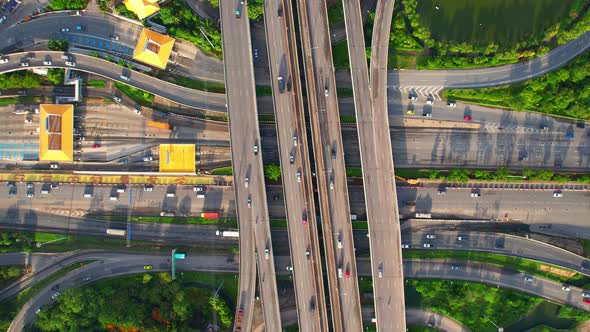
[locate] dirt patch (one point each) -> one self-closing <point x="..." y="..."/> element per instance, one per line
<point x="583" y="327"/>
<point x="556" y="271"/>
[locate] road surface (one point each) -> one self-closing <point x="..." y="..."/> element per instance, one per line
<point x="330" y="170"/>
<point x="256" y="252"/>
<point x="295" y="165"/>
<point x="116" y="264"/>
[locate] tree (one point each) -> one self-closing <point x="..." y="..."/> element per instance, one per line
<point x="67" y="4"/>
<point x="56" y="76"/>
<point x="57" y="45"/>
<point x="459" y="175"/>
<point x="272" y="172"/>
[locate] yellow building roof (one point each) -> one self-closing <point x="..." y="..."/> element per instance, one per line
<point x="56" y="134"/>
<point x="153" y="48"/>
<point x="142" y="8"/>
<point x="177" y="158"/>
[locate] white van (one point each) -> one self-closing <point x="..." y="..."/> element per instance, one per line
<point x="121" y="190"/>
<point x="170" y="195"/>
<point x="87" y="195"/>
<point x="44" y="191"/>
<point x="340" y="273"/>
<point x="114" y="198"/>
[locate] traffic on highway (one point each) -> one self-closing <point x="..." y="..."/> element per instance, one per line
<point x="308" y="165"/>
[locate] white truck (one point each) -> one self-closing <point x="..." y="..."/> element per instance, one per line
<point x="234" y="234"/>
<point x="116" y="232"/>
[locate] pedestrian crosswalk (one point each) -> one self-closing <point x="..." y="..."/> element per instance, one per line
<point x="424" y="91"/>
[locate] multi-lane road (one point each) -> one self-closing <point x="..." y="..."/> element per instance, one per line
<point x="370" y="98"/>
<point x="295" y="166"/>
<point x="256" y="253"/>
<point x="330" y="169"/>
<point x="110" y="264"/>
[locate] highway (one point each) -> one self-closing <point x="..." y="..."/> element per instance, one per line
<point x="295" y="166"/>
<point x="330" y="169"/>
<point x="370" y="96"/>
<point x="116" y="264"/>
<point x="256" y="253"/>
<point x="186" y="96"/>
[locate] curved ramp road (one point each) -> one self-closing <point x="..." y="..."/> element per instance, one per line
<point x="113" y="264"/>
<point x="190" y="97"/>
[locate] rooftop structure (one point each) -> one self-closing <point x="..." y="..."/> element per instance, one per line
<point x="142" y="8"/>
<point x="177" y="158"/>
<point x="56" y="132"/>
<point x="153" y="48"/>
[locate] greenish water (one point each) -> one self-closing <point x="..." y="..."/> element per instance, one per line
<point x="482" y="21"/>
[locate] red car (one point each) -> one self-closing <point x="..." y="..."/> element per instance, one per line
<point x="467" y="118"/>
<point x="586" y="300"/>
<point x="347" y="274"/>
<point x="304" y="219"/>
<point x="96" y="146"/>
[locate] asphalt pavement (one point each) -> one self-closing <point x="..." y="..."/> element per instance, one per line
<point x="330" y="170"/>
<point x="116" y="264"/>
<point x="256" y="252"/>
<point x="295" y="166"/>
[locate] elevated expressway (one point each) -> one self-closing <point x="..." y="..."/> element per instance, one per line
<point x="295" y="166"/>
<point x="256" y="252"/>
<point x="377" y="162"/>
<point x="330" y="169"/>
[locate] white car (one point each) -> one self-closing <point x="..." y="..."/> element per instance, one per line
<point x="565" y="288"/>
<point x="430" y="101"/>
<point x="148" y="188"/>
<point x="557" y="194"/>
<point x="246" y="181"/>
<point x="54" y="296"/>
<point x="427" y="245"/>
<point x="405" y="246"/>
<point x="326" y="92"/>
<point x="148" y="159"/>
<point x="585" y="294"/>
<point x="3" y="60"/>
<point x="266" y="253"/>
<point x="475" y="195"/>
<point x="198" y="189"/>
<point x="47" y="63"/>
<point x="289" y="268"/>
<point x="24" y="64"/>
<point x="137" y="111"/>
<point x="298" y="176"/>
<point x="431" y="236"/>
<point x="451" y="104"/>
<point x="380" y="272"/>
<point x="339" y="244"/>
<point x="30" y="195"/>
<point x="70" y="63"/>
<point x="37" y="311"/>
<point x="117" y="99"/>
<point x="53" y="166"/>
<point x="65" y="29"/>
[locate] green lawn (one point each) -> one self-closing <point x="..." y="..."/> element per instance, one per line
<point x="266" y="117"/>
<point x="411" y="173"/>
<point x="96" y="83"/>
<point x="18" y="100"/>
<point x="227" y="170"/>
<point x="263" y="91"/>
<point x="336" y="13"/>
<point x="198" y="84"/>
<point x="483" y="22"/>
<point x="10" y="307"/>
<point x="340" y="55"/>
<point x="230" y="281"/>
<point x="516" y="263"/>
<point x="347" y="119"/>
<point x="139" y="96"/>
<point x="225" y="222"/>
<point x="354" y="172"/>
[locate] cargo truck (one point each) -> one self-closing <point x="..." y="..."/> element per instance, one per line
<point x="235" y="234"/>
<point x="423" y="215"/>
<point x="210" y="215"/>
<point x="116" y="232"/>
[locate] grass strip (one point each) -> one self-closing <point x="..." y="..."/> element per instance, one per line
<point x="198" y="84"/>
<point x="354" y="172"/>
<point x="227" y="170"/>
<point x="515" y="263"/>
<point x="139" y="96"/>
<point x="225" y="222"/>
<point x="96" y="83"/>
